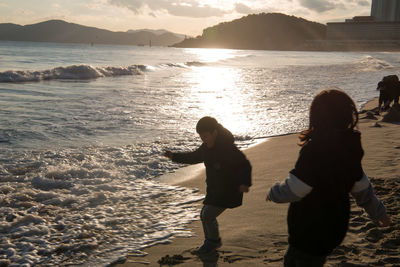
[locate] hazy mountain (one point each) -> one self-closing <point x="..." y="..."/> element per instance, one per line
<point x="63" y="32"/>
<point x="157" y="32"/>
<point x="273" y="31"/>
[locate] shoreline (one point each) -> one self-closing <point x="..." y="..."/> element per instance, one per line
<point x="382" y="49"/>
<point x="255" y="234"/>
<point x="189" y="172"/>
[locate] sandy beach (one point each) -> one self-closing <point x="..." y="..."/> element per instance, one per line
<point x="255" y="234"/>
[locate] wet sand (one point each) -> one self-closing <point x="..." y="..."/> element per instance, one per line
<point x="255" y="234"/>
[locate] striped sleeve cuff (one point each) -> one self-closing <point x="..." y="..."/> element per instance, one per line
<point x="297" y="186"/>
<point x="291" y="190"/>
<point x="361" y="185"/>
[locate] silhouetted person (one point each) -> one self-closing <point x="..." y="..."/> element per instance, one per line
<point x="389" y="90"/>
<point x="327" y="170"/>
<point x="228" y="176"/>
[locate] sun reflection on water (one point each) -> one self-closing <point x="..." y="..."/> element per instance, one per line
<point x="216" y="91"/>
<point x="211" y="55"/>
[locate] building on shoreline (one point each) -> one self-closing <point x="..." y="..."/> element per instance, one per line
<point x="380" y="31"/>
<point x="363" y="30"/>
<point x="385" y="10"/>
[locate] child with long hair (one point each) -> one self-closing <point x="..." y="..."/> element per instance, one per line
<point x="327" y="171"/>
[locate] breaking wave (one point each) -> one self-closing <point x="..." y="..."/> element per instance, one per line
<point x="195" y="64"/>
<point x="369" y="63"/>
<point x="74" y="72"/>
<point x="183" y="65"/>
<point x="83" y="72"/>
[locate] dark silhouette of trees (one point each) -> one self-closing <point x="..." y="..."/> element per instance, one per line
<point x="272" y="31"/>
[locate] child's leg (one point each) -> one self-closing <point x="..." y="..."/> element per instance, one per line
<point x="208" y="217"/>
<point x="296" y="258"/>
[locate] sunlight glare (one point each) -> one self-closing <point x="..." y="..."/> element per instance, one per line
<point x="208" y="55"/>
<point x="215" y="92"/>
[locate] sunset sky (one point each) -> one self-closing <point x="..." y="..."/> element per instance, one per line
<point x="180" y="16"/>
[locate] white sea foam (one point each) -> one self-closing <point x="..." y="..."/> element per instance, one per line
<point x="48" y="184"/>
<point x="83" y="72"/>
<point x="75" y="72"/>
<point x="90" y="223"/>
<point x="369" y="63"/>
<point x="65" y="206"/>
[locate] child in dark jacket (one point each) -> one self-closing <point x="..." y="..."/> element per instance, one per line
<point x="228" y="175"/>
<point x="328" y="169"/>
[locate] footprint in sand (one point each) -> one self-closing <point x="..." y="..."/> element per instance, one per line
<point x="374" y="235"/>
<point x="371" y="245"/>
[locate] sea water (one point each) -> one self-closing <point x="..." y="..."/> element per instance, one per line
<point x="83" y="129"/>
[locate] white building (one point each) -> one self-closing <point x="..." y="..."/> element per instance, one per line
<point x="386" y="10"/>
<point x="378" y="32"/>
<point x="383" y="24"/>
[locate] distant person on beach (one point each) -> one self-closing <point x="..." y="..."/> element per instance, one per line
<point x="389" y="90"/>
<point x="228" y="176"/>
<point x="327" y="170"/>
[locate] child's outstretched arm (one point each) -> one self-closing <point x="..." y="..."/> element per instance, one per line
<point x="187" y="158"/>
<point x="365" y="197"/>
<point x="291" y="190"/>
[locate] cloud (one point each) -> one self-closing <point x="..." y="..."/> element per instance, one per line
<point x="180" y="8"/>
<point x="96" y="5"/>
<point x="25" y="12"/>
<point x="322" y="6"/>
<point x="244" y="9"/>
<point x="318" y="5"/>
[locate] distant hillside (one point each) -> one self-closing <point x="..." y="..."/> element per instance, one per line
<point x="271" y="31"/>
<point x="59" y="31"/>
<point x="157" y="32"/>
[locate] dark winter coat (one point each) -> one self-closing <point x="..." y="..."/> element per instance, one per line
<point x="330" y="165"/>
<point x="226" y="169"/>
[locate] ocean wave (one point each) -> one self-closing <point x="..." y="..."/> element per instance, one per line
<point x="74" y="72"/>
<point x="195" y="64"/>
<point x="370" y="63"/>
<point x="172" y="65"/>
<point x="242" y="138"/>
<point x="100" y="222"/>
<point x="84" y="72"/>
<point x="360" y="65"/>
<point x="49" y="184"/>
<point x="183" y="65"/>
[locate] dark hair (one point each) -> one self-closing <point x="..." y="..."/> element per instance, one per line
<point x="380" y="85"/>
<point x="330" y="111"/>
<point x="206" y="124"/>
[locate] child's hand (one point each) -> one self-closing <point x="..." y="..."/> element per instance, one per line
<point x="168" y="154"/>
<point x="385" y="221"/>
<point x="243" y="188"/>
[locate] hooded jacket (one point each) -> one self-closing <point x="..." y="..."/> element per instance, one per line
<point x="226" y="169"/>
